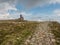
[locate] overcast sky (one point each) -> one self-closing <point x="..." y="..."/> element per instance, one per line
<point x="30" y="9"/>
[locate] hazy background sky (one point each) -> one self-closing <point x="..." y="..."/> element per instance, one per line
<point x="30" y="9"/>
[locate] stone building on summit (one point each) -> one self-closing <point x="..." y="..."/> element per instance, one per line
<point x="21" y="18"/>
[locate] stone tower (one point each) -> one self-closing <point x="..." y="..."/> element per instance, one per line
<point x="21" y="17"/>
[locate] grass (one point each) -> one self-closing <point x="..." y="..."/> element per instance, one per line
<point x="16" y="33"/>
<point x="55" y="27"/>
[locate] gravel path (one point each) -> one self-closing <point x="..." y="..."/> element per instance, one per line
<point x="42" y="36"/>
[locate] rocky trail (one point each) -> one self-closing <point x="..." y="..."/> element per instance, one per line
<point x="42" y="36"/>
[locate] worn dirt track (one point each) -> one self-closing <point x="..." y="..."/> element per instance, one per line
<point x="42" y="36"/>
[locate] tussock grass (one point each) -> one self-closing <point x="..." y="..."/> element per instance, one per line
<point x="55" y="28"/>
<point x="16" y="33"/>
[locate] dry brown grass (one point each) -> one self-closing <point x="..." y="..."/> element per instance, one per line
<point x="16" y="32"/>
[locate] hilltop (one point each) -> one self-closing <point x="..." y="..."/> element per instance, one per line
<point x="29" y="33"/>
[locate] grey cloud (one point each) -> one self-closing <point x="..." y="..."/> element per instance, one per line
<point x="4" y="1"/>
<point x="31" y="3"/>
<point x="36" y="3"/>
<point x="11" y="2"/>
<point x="1" y="1"/>
<point x="27" y="3"/>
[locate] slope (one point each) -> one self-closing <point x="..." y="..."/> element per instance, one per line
<point x="29" y="33"/>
